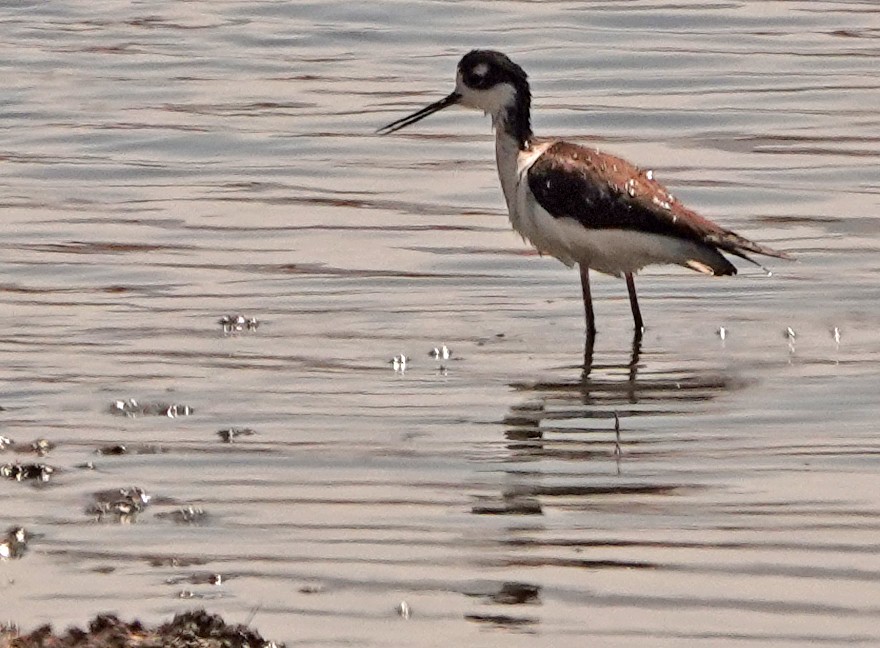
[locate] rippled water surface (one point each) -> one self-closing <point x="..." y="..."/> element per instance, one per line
<point x="163" y="164"/>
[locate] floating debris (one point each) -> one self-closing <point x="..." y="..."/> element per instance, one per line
<point x="238" y="323"/>
<point x="123" y="503"/>
<point x="791" y="335"/>
<point x="230" y="434"/>
<point x="398" y="363"/>
<point x="442" y="353"/>
<point x="14" y="543"/>
<point x="175" y="561"/>
<point x="404" y="610"/>
<point x="187" y="630"/>
<point x="132" y="409"/>
<point x="617" y="450"/>
<point x="40" y="447"/>
<point x="119" y="449"/>
<point x="112" y="450"/>
<point x="186" y="515"/>
<point x="311" y="588"/>
<point x="27" y="472"/>
<point x="515" y="593"/>
<point x="203" y="578"/>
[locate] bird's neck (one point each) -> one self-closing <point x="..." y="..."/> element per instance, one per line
<point x="513" y="120"/>
<point x="513" y="135"/>
<point x="507" y="150"/>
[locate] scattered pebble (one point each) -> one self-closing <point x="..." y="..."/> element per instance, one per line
<point x="5" y="442"/>
<point x="238" y="323"/>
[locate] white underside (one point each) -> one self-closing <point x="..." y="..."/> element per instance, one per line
<point x="611" y="251"/>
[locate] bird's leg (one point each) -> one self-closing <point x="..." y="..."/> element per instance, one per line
<point x="634" y="304"/>
<point x="634" y="358"/>
<point x="589" y="344"/>
<point x="588" y="301"/>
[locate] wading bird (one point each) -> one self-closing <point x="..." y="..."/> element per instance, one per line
<point x="577" y="204"/>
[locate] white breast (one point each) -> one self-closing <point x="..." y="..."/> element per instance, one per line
<point x="535" y="225"/>
<point x="546" y="233"/>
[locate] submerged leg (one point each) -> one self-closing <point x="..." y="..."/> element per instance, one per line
<point x="589" y="344"/>
<point x="588" y="300"/>
<point x="634" y="358"/>
<point x="634" y="304"/>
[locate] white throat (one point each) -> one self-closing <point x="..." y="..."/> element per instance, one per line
<point x="507" y="155"/>
<point x="494" y="101"/>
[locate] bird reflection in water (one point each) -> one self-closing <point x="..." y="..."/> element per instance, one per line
<point x="588" y="422"/>
<point x="635" y="355"/>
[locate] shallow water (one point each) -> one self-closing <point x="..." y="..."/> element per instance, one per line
<point x="165" y="164"/>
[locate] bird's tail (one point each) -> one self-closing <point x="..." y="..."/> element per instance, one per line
<point x="739" y="245"/>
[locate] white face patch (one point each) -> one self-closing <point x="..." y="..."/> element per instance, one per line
<point x="491" y="101"/>
<point x="481" y="70"/>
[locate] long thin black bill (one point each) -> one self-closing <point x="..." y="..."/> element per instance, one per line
<point x="447" y="101"/>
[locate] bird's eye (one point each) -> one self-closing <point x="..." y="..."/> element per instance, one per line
<point x="480" y="70"/>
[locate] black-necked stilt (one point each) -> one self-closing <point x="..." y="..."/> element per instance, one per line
<point x="580" y="205"/>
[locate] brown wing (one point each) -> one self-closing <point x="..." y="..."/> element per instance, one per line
<point x="602" y="191"/>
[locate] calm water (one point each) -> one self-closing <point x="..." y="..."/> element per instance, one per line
<point x="165" y="163"/>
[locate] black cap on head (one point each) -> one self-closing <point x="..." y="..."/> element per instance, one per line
<point x="483" y="69"/>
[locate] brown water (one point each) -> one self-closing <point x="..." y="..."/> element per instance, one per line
<point x="164" y="164"/>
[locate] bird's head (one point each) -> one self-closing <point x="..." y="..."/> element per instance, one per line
<point x="485" y="80"/>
